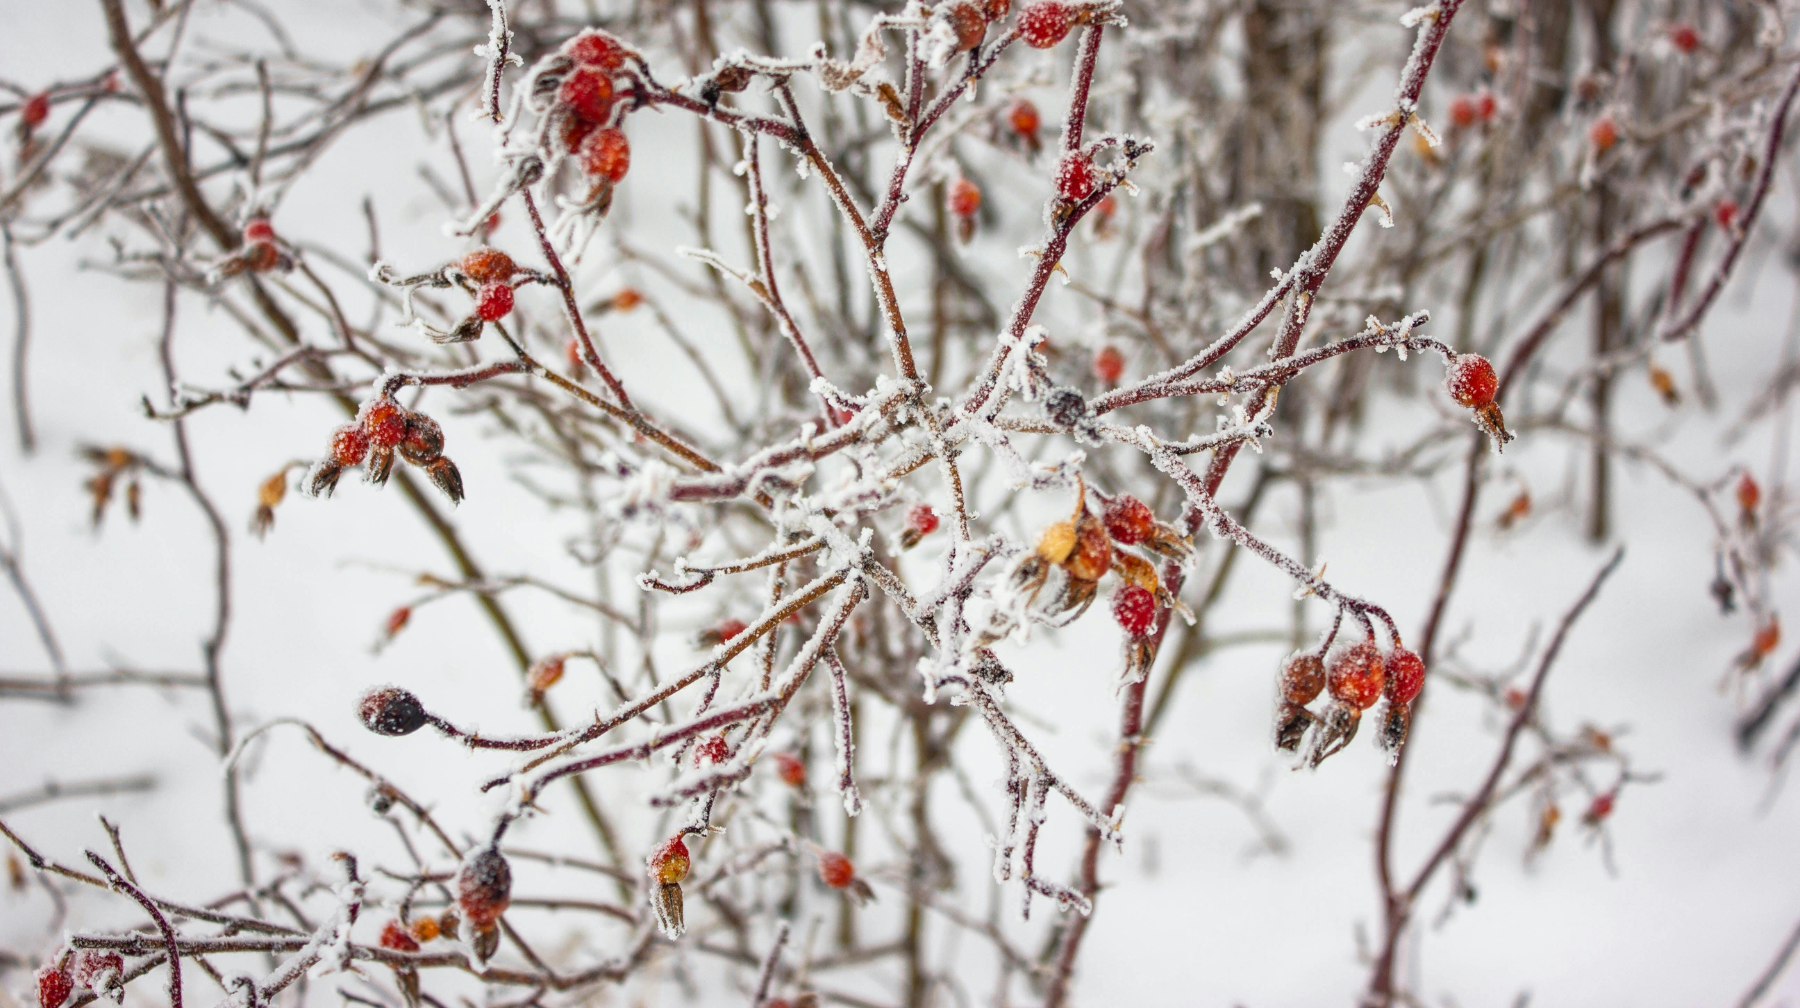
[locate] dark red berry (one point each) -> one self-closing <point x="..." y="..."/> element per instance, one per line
<point x="596" y="48"/>
<point x="1600" y="808"/>
<point x="384" y="421"/>
<point x="1045" y="23"/>
<point x="965" y="198"/>
<point x="259" y="229"/>
<point x="588" y="93"/>
<point x="483" y="887"/>
<point x="390" y="710"/>
<point x="1075" y="178"/>
<point x="424" y="439"/>
<point x="487" y="265"/>
<point x="836" y="870"/>
<point x="966" y="21"/>
<point x="54" y="987"/>
<point x="493" y="302"/>
<point x="1302" y="677"/>
<point x="1685" y="37"/>
<point x="1109" y="364"/>
<point x="349" y="445"/>
<point x="1726" y="213"/>
<point x="994" y="10"/>
<point x="1405" y="675"/>
<point x="1603" y="134"/>
<point x="606" y="154"/>
<point x="395" y="936"/>
<point x="1463" y="112"/>
<point x="1487" y="106"/>
<point x="1128" y="520"/>
<point x="1471" y="380"/>
<point x="1022" y="115"/>
<point x="791" y="769"/>
<point x="922" y="519"/>
<point x="1135" y="609"/>
<point x="1353" y="673"/>
<point x="35" y="110"/>
<point x="712" y="749"/>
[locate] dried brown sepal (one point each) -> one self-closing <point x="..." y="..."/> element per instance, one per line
<point x="446" y="477"/>
<point x="486" y="941"/>
<point x="665" y="903"/>
<point x="1336" y="729"/>
<point x="407" y="979"/>
<point x="381" y="465"/>
<point x="910" y="537"/>
<point x="1167" y="541"/>
<point x="323" y="478"/>
<point x="466" y="331"/>
<point x="1291" y="723"/>
<point x="1493" y="423"/>
<point x="268" y="496"/>
<point x="1396" y="720"/>
<point x="1140" y="654"/>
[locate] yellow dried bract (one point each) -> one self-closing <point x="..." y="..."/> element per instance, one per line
<point x="1057" y="542"/>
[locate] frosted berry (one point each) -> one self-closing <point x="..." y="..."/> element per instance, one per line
<point x="1109" y="364"/>
<point x="1726" y="213"/>
<point x="994" y="10"/>
<point x="1093" y="552"/>
<point x="1463" y="111"/>
<point x="1134" y="609"/>
<point x="1023" y="117"/>
<point x="1128" y="520"/>
<point x="670" y="863"/>
<point x="1045" y="23"/>
<point x="394" y="936"/>
<point x="54" y="987"/>
<point x="1065" y="407"/>
<point x="1302" y="677"/>
<point x="1603" y="134"/>
<point x="349" y="446"/>
<point x="607" y="154"/>
<point x="1471" y="380"/>
<point x="712" y="749"/>
<point x="390" y="710"/>
<point x="1353" y="674"/>
<point x="588" y="93"/>
<point x="95" y="968"/>
<point x="574" y="131"/>
<point x="791" y="769"/>
<point x="596" y="48"/>
<point x="487" y="265"/>
<point x="384" y="421"/>
<point x="424" y="439"/>
<point x="1684" y="37"/>
<point x="1404" y="671"/>
<point x="1075" y="178"/>
<point x="966" y="21"/>
<point x="35" y="110"/>
<point x="836" y="870"/>
<point x="259" y="229"/>
<point x="493" y="302"/>
<point x="965" y="198"/>
<point x="425" y="929"/>
<point x="483" y="887"/>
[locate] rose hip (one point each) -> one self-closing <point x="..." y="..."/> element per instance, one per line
<point x="1135" y="609"/>
<point x="1405" y="674"/>
<point x="836" y="870"/>
<point x="1471" y="380"/>
<point x="1045" y="23"/>
<point x="487" y="265"/>
<point x="1353" y="674"/>
<point x="606" y="154"/>
<point x="1302" y="677"/>
<point x="1128" y="520"/>
<point x="493" y="302"/>
<point x="392" y="711"/>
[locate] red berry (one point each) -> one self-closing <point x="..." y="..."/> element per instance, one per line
<point x="397" y="619"/>
<point x="606" y="153"/>
<point x="384" y="421"/>
<point x="54" y="987"/>
<point x="1104" y="209"/>
<point x="922" y="519"/>
<point x="1128" y="520"/>
<point x="836" y="870"/>
<point x="1603" y="134"/>
<point x="1599" y="808"/>
<point x="729" y="628"/>
<point x="791" y="769"/>
<point x="349" y="446"/>
<point x="588" y="93"/>
<point x="1045" y="23"/>
<point x="1405" y="674"/>
<point x="1353" y="673"/>
<point x="424" y="439"/>
<point x="1302" y="677"/>
<point x="1135" y="609"/>
<point x="967" y="21"/>
<point x="1486" y="105"/>
<point x="671" y="862"/>
<point x="712" y="749"/>
<point x="92" y="968"/>
<point x="572" y="350"/>
<point x="574" y="131"/>
<point x="259" y="229"/>
<point x="1074" y="177"/>
<point x="1684" y="36"/>
<point x="35" y="110"/>
<point x="487" y="265"/>
<point x="1471" y="380"/>
<point x="965" y="198"/>
<point x="596" y="48"/>
<point x="483" y="887"/>
<point x="545" y="673"/>
<point x="994" y="10"/>
<point x="493" y="302"/>
<point x="1463" y="112"/>
<point x="391" y="711"/>
<point x="394" y="936"/>
<point x="1726" y="213"/>
<point x="1109" y="364"/>
<point x="1749" y="493"/>
<point x="1023" y="116"/>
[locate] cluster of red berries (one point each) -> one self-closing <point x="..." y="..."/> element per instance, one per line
<point x="587" y="107"/>
<point x="1471" y="381"/>
<point x="1467" y="110"/>
<point x="1083" y="549"/>
<point x="382" y="430"/>
<point x="1357" y="676"/>
<point x="490" y="271"/>
<point x="921" y="521"/>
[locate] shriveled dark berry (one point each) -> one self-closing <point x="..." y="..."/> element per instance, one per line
<point x="483" y="887"/>
<point x="390" y="710"/>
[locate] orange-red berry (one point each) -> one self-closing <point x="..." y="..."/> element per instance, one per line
<point x="1404" y="671"/>
<point x="1135" y="609"/>
<point x="392" y="711"/>
<point x="606" y="153"/>
<point x="384" y="421"/>
<point x="54" y="987"/>
<point x="596" y="48"/>
<point x="545" y="673"/>
<point x="1128" y="520"/>
<point x="965" y="198"/>
<point x="836" y="870"/>
<point x="395" y="936"/>
<point x="1749" y="493"/>
<point x="483" y="887"/>
<point x="1471" y="380"/>
<point x="791" y="769"/>
<point x="1353" y="674"/>
<point x="1109" y="364"/>
<point x="1603" y="134"/>
<point x="920" y="518"/>
<point x="1302" y="678"/>
<point x="1075" y="178"/>
<point x="349" y="445"/>
<point x="1023" y="116"/>
<point x="493" y="302"/>
<point x="1045" y="23"/>
<point x="670" y="863"/>
<point x="967" y="21"/>
<point x="588" y="93"/>
<point x="487" y="265"/>
<point x="1463" y="112"/>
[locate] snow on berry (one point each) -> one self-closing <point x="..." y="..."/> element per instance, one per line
<point x="390" y="710"/>
<point x="395" y="936"/>
<point x="1134" y="609"/>
<point x="669" y="863"/>
<point x="994" y="10"/>
<point x="1353" y="674"/>
<point x="384" y="421"/>
<point x="1302" y="677"/>
<point x="1128" y="520"/>
<point x="966" y="22"/>
<point x="96" y="968"/>
<point x="1404" y="671"/>
<point x="1471" y="381"/>
<point x="836" y="870"/>
<point x="596" y="48"/>
<point x="54" y="987"/>
<point x="588" y="93"/>
<point x="493" y="302"/>
<point x="922" y="519"/>
<point x="1075" y="178"/>
<point x="349" y="445"/>
<point x="424" y="440"/>
<point x="606" y="154"/>
<point x="712" y="749"/>
<point x="487" y="265"/>
<point x="483" y="887"/>
<point x="1045" y="23"/>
